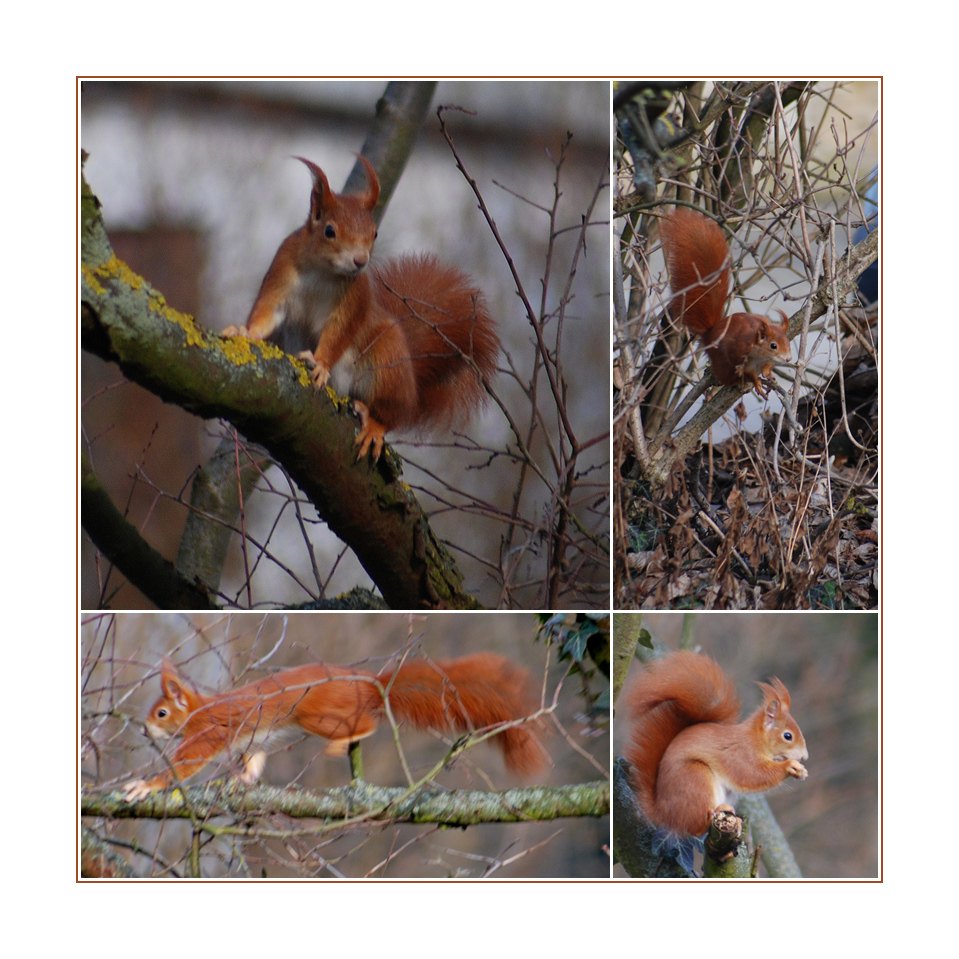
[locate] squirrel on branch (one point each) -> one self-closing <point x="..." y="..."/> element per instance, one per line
<point x="342" y="705"/>
<point x="409" y="340"/>
<point x="741" y="346"/>
<point x="689" y="754"/>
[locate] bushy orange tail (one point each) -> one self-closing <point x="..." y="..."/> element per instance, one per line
<point x="451" y="339"/>
<point x="468" y="694"/>
<point x="697" y="256"/>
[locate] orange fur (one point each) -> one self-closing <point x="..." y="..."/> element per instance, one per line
<point x="688" y="755"/>
<point x="410" y="341"/>
<point x="740" y="346"/>
<point x="342" y="705"/>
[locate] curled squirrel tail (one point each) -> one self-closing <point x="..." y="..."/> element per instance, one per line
<point x="677" y="691"/>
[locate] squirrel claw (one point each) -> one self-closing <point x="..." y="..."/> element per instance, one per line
<point x="371" y="434"/>
<point x="369" y="438"/>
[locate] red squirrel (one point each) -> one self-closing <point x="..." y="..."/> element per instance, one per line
<point x="689" y="755"/>
<point x="410" y="341"/>
<point x="741" y="346"/>
<point x="340" y="704"/>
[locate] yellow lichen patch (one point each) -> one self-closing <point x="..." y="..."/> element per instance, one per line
<point x="156" y="303"/>
<point x="339" y="401"/>
<point x="269" y="350"/>
<point x="303" y="374"/>
<point x="115" y="269"/>
<point x="239" y="350"/>
<point x="132" y="280"/>
<point x="90" y="275"/>
<point x="194" y="336"/>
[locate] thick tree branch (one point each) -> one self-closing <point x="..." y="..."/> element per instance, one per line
<point x="122" y="544"/>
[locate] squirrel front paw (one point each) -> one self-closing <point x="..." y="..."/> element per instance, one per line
<point x="319" y="372"/>
<point x="797" y="769"/>
<point x="136" y="790"/>
<point x="235" y="331"/>
<point x="253" y="767"/>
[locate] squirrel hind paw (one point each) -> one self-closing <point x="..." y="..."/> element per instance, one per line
<point x="372" y="434"/>
<point x="231" y="331"/>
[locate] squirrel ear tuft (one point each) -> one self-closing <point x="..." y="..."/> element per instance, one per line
<point x="372" y="183"/>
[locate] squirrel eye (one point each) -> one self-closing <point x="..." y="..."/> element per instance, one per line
<point x="329" y="232"/>
<point x="774" y="346"/>
<point x="788" y="736"/>
<point x="161" y="714"/>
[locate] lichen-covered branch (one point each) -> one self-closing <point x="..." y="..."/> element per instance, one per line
<point x="358" y="802"/>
